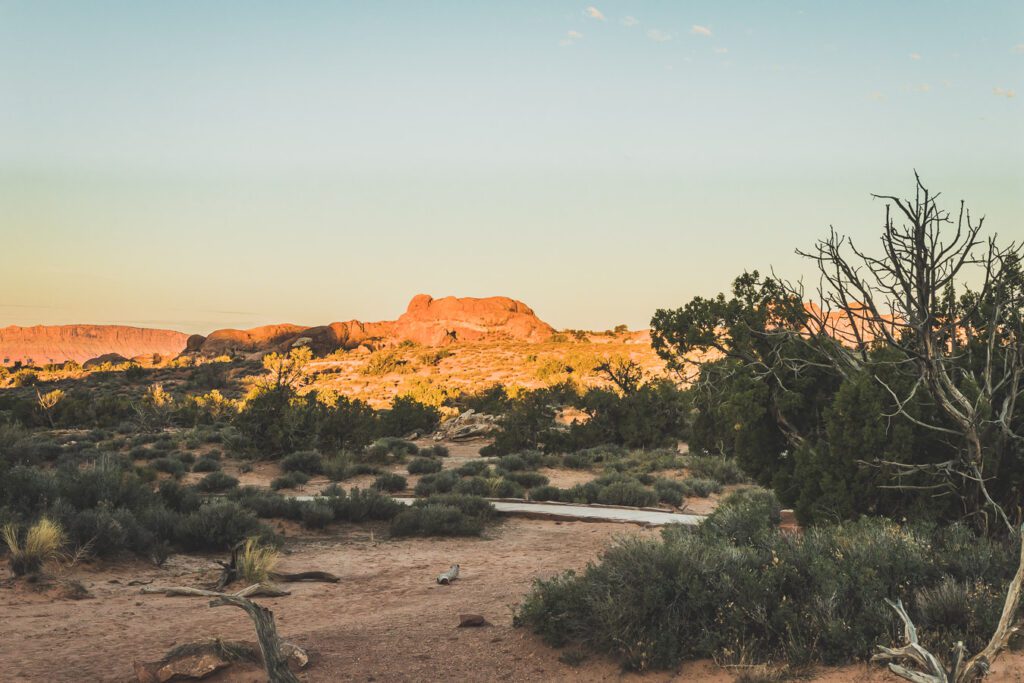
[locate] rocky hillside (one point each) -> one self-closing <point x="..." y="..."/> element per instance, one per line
<point x="42" y="344"/>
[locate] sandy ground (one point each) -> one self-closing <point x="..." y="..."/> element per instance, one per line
<point x="386" y="621"/>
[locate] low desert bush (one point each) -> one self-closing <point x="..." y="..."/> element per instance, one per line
<point x="697" y="487"/>
<point x="473" y="468"/>
<point x="309" y="462"/>
<point x="444" y="515"/>
<point x="527" y="480"/>
<point x="292" y="480"/>
<point x="389" y="450"/>
<point x="217" y="526"/>
<point x="206" y="464"/>
<point x="424" y="466"/>
<point x="441" y="482"/>
<point x="216" y="482"/>
<point x="317" y="514"/>
<point x="717" y="467"/>
<point x="735" y="587"/>
<point x="392" y="483"/>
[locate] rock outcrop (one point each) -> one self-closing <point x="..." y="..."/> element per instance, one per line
<point x="434" y="322"/>
<point x="427" y="321"/>
<point x="42" y="344"/>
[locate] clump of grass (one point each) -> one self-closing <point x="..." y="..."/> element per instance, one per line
<point x="43" y="542"/>
<point x="256" y="561"/>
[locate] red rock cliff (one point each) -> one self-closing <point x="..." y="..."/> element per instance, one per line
<point x="58" y="343"/>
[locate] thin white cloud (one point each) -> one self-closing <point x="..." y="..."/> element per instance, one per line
<point x="1004" y="92"/>
<point x="721" y="50"/>
<point x="924" y="87"/>
<point x="699" y="30"/>
<point x="571" y="38"/>
<point x="659" y="36"/>
<point x="594" y="13"/>
<point x="877" y="95"/>
<point x="630" y="21"/>
<point x="915" y="56"/>
<point x="1019" y="48"/>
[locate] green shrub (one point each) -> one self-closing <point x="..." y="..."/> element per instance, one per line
<point x="389" y="450"/>
<point x="800" y="599"/>
<point x="474" y="506"/>
<point x="364" y="504"/>
<point x="267" y="504"/>
<point x="424" y="466"/>
<point x="217" y="526"/>
<point x="309" y="462"/>
<point x="473" y="468"/>
<point x="670" y="491"/>
<point x="717" y="467"/>
<point x="435" y="520"/>
<point x="744" y="516"/>
<point x="216" y="482"/>
<point x="206" y="464"/>
<point x="631" y="493"/>
<point x="392" y="483"/>
<point x="317" y="514"/>
<point x="545" y="493"/>
<point x="694" y="487"/>
<point x="527" y="480"/>
<point x="406" y="416"/>
<point x="473" y="486"/>
<point x="435" y="451"/>
<point x="292" y="480"/>
<point x="441" y="482"/>
<point x="172" y="466"/>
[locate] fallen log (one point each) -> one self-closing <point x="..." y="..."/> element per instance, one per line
<point x="447" y="577"/>
<point x="326" y="577"/>
<point x="265" y="590"/>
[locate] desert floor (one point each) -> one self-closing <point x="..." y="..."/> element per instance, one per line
<point x="387" y="620"/>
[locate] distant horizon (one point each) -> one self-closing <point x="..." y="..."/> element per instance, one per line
<point x="193" y="166"/>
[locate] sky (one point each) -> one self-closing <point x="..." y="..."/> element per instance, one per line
<point x="197" y="165"/>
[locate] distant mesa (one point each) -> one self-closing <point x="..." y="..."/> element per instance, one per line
<point x="43" y="344"/>
<point x="427" y="321"/>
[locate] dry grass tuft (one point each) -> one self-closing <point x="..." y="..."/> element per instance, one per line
<point x="256" y="561"/>
<point x="43" y="542"/>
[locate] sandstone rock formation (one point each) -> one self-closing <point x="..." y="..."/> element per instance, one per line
<point x="427" y="321"/>
<point x="43" y="344"/>
<point x="434" y="322"/>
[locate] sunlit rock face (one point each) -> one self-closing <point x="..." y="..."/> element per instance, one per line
<point x="42" y="344"/>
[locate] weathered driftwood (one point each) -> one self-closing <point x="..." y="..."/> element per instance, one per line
<point x="272" y="648"/>
<point x="326" y="577"/>
<point x="962" y="670"/>
<point x="265" y="590"/>
<point x="447" y="577"/>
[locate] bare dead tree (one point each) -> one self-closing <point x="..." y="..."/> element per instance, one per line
<point x="964" y="352"/>
<point x="961" y="348"/>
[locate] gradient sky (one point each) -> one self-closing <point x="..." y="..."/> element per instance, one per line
<point x="196" y="165"/>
